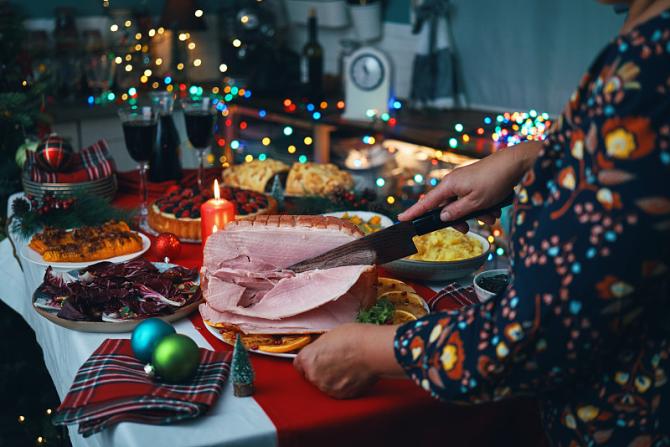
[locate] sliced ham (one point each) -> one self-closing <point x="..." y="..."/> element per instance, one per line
<point x="246" y="285"/>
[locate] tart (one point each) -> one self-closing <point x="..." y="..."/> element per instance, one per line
<point x="316" y="179"/>
<point x="255" y="175"/>
<point x="178" y="212"/>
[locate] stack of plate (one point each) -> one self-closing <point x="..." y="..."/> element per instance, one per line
<point x="104" y="187"/>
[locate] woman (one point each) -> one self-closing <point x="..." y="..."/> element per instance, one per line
<point x="584" y="325"/>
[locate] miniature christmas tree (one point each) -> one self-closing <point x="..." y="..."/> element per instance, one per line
<point x="242" y="371"/>
<point x="277" y="192"/>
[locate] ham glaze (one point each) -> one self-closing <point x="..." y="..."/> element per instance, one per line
<point x="246" y="287"/>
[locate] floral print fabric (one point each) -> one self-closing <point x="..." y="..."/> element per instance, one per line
<point x="584" y="325"/>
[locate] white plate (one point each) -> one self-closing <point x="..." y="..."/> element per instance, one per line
<point x="364" y="215"/>
<point x="33" y="257"/>
<point x="218" y="335"/>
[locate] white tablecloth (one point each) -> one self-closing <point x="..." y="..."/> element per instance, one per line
<point x="231" y="422"/>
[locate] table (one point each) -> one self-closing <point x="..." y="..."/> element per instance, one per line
<point x="285" y="409"/>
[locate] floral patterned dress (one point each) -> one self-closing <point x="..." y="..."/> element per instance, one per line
<point x="585" y="324"/>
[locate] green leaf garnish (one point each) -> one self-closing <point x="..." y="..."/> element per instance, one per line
<point x="380" y="313"/>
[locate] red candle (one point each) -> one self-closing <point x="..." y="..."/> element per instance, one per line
<point x="215" y="214"/>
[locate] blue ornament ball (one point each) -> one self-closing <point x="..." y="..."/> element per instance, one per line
<point x="147" y="335"/>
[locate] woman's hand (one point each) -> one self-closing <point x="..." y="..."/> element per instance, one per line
<point x="347" y="360"/>
<point x="477" y="186"/>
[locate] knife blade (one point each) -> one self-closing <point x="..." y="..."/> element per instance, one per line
<point x="389" y="244"/>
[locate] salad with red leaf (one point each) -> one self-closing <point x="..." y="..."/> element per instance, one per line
<point x="118" y="292"/>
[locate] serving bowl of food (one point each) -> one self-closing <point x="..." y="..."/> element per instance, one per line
<point x="442" y="255"/>
<point x="366" y="221"/>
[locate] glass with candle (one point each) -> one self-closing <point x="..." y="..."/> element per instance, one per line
<point x="215" y="214"/>
<point x="199" y="114"/>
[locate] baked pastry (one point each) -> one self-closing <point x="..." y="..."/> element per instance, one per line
<point x="86" y="243"/>
<point x="178" y="212"/>
<point x="254" y="175"/>
<point x="316" y="179"/>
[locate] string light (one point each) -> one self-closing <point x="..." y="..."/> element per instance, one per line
<point x="197" y="62"/>
<point x="390" y="200"/>
<point x="138" y="36"/>
<point x="180" y="66"/>
<point x="302" y="159"/>
<point x="41" y="440"/>
<point x="237" y="43"/>
<point x="288" y="130"/>
<point x="161" y="30"/>
<point x="266" y="141"/>
<point x="114" y="28"/>
<point x="127" y="23"/>
<point x="291" y="149"/>
<point x="182" y="36"/>
<point x="152" y="32"/>
<point x="22" y="419"/>
<point x="118" y="60"/>
<point x="198" y="13"/>
<point x="128" y="57"/>
<point x="307" y="140"/>
<point x="158" y="61"/>
<point x="191" y="45"/>
<point x="129" y="67"/>
<point x="223" y="68"/>
<point x="249" y="158"/>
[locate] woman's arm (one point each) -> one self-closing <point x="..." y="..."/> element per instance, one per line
<point x="479" y="185"/>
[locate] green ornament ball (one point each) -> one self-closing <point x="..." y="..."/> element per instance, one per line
<point x="176" y="358"/>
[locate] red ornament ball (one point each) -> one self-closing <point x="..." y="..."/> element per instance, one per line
<point x="167" y="246"/>
<point x="54" y="153"/>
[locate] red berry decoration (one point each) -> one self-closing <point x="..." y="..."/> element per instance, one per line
<point x="167" y="246"/>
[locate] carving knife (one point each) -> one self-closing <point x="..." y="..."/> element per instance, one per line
<point x="389" y="244"/>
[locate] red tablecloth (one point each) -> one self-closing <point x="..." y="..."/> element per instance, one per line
<point x="395" y="412"/>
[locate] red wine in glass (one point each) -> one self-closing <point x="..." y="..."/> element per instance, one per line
<point x="140" y="139"/>
<point x="199" y="127"/>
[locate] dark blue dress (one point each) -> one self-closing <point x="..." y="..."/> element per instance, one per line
<point x="585" y="325"/>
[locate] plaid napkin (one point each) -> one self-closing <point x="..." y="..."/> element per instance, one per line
<point x="453" y="296"/>
<point x="91" y="163"/>
<point x="112" y="387"/>
<point x="129" y="182"/>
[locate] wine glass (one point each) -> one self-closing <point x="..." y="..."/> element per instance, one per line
<point x="199" y="115"/>
<point x="140" y="126"/>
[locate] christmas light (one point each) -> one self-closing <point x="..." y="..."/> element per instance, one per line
<point x="340" y="105"/>
<point x="487" y="120"/>
<point x="262" y="157"/>
<point x="144" y="79"/>
<point x="266" y="141"/>
<point x="302" y="159"/>
<point x="48" y="411"/>
<point x="90" y="100"/>
<point x="152" y="32"/>
<point x="237" y="43"/>
<point x="262" y="113"/>
<point x="244" y="19"/>
<point x="500" y="251"/>
<point x="167" y="80"/>
<point x="291" y="149"/>
<point x="197" y="62"/>
<point x="390" y="200"/>
<point x="380" y="182"/>
<point x="458" y="127"/>
<point x="128" y="57"/>
<point x="129" y="67"/>
<point x="310" y="107"/>
<point x="418" y="178"/>
<point x="453" y="143"/>
<point x="215" y="90"/>
<point x="466" y="138"/>
<point x="323" y="105"/>
<point x="180" y="66"/>
<point x="198" y="13"/>
<point x="397" y="105"/>
<point x="385" y="116"/>
<point x="223" y="68"/>
<point x="111" y="96"/>
<point x="40" y="439"/>
<point x="22" y="419"/>
<point x="161" y="30"/>
<point x="158" y="61"/>
<point x="124" y="97"/>
<point x="182" y="36"/>
<point x="288" y="130"/>
<point x="249" y="158"/>
<point x="243" y="125"/>
<point x="138" y="36"/>
<point x="127" y="23"/>
<point x="287" y="102"/>
<point x="118" y="60"/>
<point x="491" y="239"/>
<point x="191" y="45"/>
<point x="114" y="28"/>
<point x="307" y="140"/>
<point x="132" y="91"/>
<point x="234" y="144"/>
<point x="316" y="115"/>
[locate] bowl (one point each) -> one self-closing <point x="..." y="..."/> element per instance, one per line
<point x="439" y="271"/>
<point x="483" y="294"/>
<point x="385" y="221"/>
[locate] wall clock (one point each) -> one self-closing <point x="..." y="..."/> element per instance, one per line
<point x="367" y="87"/>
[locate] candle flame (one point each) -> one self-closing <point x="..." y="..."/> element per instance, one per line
<point x="214" y="228"/>
<point x="217" y="191"/>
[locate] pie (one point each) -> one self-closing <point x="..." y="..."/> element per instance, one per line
<point x="255" y="175"/>
<point x="178" y="211"/>
<point x="86" y="243"/>
<point x="316" y="179"/>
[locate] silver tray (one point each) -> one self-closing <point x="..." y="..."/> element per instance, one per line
<point x="105" y="187"/>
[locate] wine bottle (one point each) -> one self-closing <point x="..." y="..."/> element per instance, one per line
<point x="165" y="163"/>
<point x="311" y="63"/>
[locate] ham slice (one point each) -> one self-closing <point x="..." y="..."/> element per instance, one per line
<point x="246" y="285"/>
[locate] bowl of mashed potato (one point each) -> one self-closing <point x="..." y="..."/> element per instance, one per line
<point x="442" y="255"/>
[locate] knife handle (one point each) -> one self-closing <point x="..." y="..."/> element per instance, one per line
<point x="429" y="222"/>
